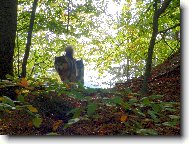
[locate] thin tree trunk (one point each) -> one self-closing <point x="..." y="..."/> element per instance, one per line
<point x="28" y="44"/>
<point x="157" y="13"/>
<point x="68" y="21"/>
<point x="8" y="24"/>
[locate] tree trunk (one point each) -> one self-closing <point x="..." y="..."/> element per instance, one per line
<point x="157" y="13"/>
<point x="28" y="44"/>
<point x="8" y="24"/>
<point x="68" y="21"/>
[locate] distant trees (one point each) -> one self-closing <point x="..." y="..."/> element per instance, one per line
<point x="8" y="25"/>
<point x="137" y="37"/>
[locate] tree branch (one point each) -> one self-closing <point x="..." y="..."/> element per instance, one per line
<point x="163" y="7"/>
<point x="164" y="31"/>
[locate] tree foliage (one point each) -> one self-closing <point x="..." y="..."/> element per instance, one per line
<point x="102" y="38"/>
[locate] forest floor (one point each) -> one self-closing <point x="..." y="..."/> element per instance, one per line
<point x="62" y="109"/>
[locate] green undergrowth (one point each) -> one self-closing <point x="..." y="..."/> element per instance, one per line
<point x="71" y="104"/>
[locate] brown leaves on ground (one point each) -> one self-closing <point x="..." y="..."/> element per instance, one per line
<point x="107" y="120"/>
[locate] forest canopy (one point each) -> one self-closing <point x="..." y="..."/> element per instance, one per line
<point x="111" y="36"/>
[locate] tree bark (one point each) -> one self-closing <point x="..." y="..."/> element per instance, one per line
<point x="29" y="37"/>
<point x="157" y="13"/>
<point x="8" y="25"/>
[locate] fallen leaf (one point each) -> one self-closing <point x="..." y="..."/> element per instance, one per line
<point x="37" y="121"/>
<point x="32" y="109"/>
<point x="67" y="86"/>
<point x="1" y="98"/>
<point x="18" y="92"/>
<point x="30" y="88"/>
<point x="124" y="118"/>
<point x="23" y="82"/>
<point x="30" y="124"/>
<point x="130" y="95"/>
<point x="57" y="124"/>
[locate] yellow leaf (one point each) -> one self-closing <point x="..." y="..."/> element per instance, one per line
<point x="131" y="96"/>
<point x="8" y="111"/>
<point x="32" y="109"/>
<point x="57" y="124"/>
<point x="30" y="88"/>
<point x="67" y="86"/>
<point x="123" y="118"/>
<point x="38" y="83"/>
<point x="1" y="98"/>
<point x="23" y="82"/>
<point x="18" y="92"/>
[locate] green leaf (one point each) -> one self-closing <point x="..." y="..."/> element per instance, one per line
<point x="66" y="126"/>
<point x="18" y="107"/>
<point x="76" y="112"/>
<point x="168" y="104"/>
<point x="170" y="109"/>
<point x="133" y="101"/>
<point x="171" y="123"/>
<point x="5" y="106"/>
<point x="8" y="76"/>
<point x="37" y="121"/>
<point x="72" y="121"/>
<point x="153" y="97"/>
<point x="7" y="100"/>
<point x="21" y="98"/>
<point x="137" y="111"/>
<point x="126" y="106"/>
<point x="153" y="115"/>
<point x="174" y="117"/>
<point x="147" y="132"/>
<point x="117" y="100"/>
<point x="91" y="108"/>
<point x="1" y="107"/>
<point x="145" y="101"/>
<point x="156" y="108"/>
